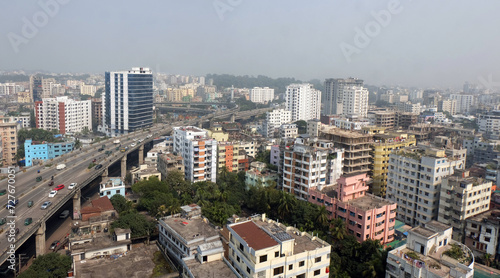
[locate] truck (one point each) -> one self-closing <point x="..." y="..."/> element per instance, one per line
<point x="60" y="166"/>
<point x="117" y="141"/>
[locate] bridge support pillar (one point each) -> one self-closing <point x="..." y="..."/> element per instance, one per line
<point x="77" y="204"/>
<point x="233" y="118"/>
<point x="105" y="173"/>
<point x="40" y="240"/>
<point x="141" y="154"/>
<point x="124" y="167"/>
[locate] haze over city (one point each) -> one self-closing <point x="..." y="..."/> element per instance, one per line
<point x="410" y="43"/>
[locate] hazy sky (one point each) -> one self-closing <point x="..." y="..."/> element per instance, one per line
<point x="423" y="43"/>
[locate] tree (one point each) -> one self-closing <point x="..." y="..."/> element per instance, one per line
<point x="136" y="222"/>
<point x="487" y="259"/>
<point x="78" y="144"/>
<point x="322" y="216"/>
<point x="286" y="203"/>
<point x="264" y="156"/>
<point x="51" y="265"/>
<point x="338" y="229"/>
<point x="302" y="126"/>
<point x="120" y="204"/>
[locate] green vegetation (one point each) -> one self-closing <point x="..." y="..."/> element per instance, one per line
<point x="92" y="164"/>
<point x="458" y="254"/>
<point x="246" y="105"/>
<point x="36" y="135"/>
<point x="413" y="255"/>
<point x="302" y="126"/>
<point x="52" y="265"/>
<point x="136" y="222"/>
<point x="161" y="265"/>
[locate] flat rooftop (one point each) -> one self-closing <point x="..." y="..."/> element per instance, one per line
<point x="346" y="133"/>
<point x="211" y="269"/>
<point x="423" y="232"/>
<point x="190" y="228"/>
<point x="97" y="243"/>
<point x="369" y="202"/>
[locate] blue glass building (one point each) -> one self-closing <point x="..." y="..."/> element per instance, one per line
<point x="128" y="101"/>
<point x="45" y="150"/>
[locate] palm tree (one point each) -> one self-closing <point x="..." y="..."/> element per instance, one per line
<point x="487" y="259"/>
<point x="338" y="229"/>
<point x="286" y="203"/>
<point x="370" y="270"/>
<point x="174" y="207"/>
<point x="322" y="216"/>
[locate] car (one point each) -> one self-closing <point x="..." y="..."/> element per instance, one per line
<point x="3" y="221"/>
<point x="46" y="204"/>
<point x="72" y="185"/>
<point x="52" y="193"/>
<point x="3" y="192"/>
<point x="12" y="203"/>
<point x="59" y="187"/>
<point x="7" y="234"/>
<point x="55" y="244"/>
<point x="100" y="150"/>
<point x="132" y="145"/>
<point x="98" y="166"/>
<point x="64" y="214"/>
<point x="28" y="221"/>
<point x="30" y="203"/>
<point x="51" y="183"/>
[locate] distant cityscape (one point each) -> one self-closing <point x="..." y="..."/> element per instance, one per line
<point x="269" y="180"/>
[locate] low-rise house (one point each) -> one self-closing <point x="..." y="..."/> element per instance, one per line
<point x="144" y="172"/>
<point x="110" y="186"/>
<point x="482" y="233"/>
<point x="168" y="162"/>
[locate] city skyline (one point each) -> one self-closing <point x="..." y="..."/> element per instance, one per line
<point x="385" y="43"/>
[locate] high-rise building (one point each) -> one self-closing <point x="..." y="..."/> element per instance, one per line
<point x="465" y="103"/>
<point x="261" y="95"/>
<point x="198" y="151"/>
<point x="334" y="90"/>
<point x="63" y="114"/>
<point x="96" y="111"/>
<point x="489" y="123"/>
<point x="274" y="119"/>
<point x="414" y="180"/>
<point x="127" y="101"/>
<point x="8" y="143"/>
<point x="88" y="90"/>
<point x="355" y="101"/>
<point x="233" y="156"/>
<point x="36" y="87"/>
<point x="303" y="101"/>
<point x="448" y="105"/>
<point x="462" y="196"/>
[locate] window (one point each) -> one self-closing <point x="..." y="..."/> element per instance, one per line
<point x="317" y="272"/>
<point x="278" y="270"/>
<point x="487" y="239"/>
<point x="290" y="267"/>
<point x="317" y="260"/>
<point x="488" y="231"/>
<point x="248" y="270"/>
<point x="276" y="254"/>
<point x="263" y="258"/>
<point x="301" y="263"/>
<point x="241" y="247"/>
<point x="238" y="258"/>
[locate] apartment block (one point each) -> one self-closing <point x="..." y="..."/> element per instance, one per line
<point x="89" y="90"/>
<point x="260" y="247"/>
<point x="8" y="132"/>
<point x="366" y="216"/>
<point x="198" y="151"/>
<point x="385" y="119"/>
<point x="405" y="119"/>
<point x="288" y="131"/>
<point x="260" y="175"/>
<point x="111" y="186"/>
<point x="448" y="105"/>
<point x="169" y="162"/>
<point x="307" y="164"/>
<point x="96" y="110"/>
<point x="34" y="151"/>
<point x="314" y="127"/>
<point x="414" y="181"/>
<point x="193" y="243"/>
<point x="232" y="156"/>
<point x="489" y="123"/>
<point x="274" y="119"/>
<point x="351" y="123"/>
<point x="24" y="97"/>
<point x="355" y="101"/>
<point x="64" y="114"/>
<point x="482" y="233"/>
<point x="424" y="255"/>
<point x="303" y="101"/>
<point x="462" y="196"/>
<point x="261" y="95"/>
<point x="382" y="146"/>
<point x="465" y="103"/>
<point x="356" y="145"/>
<point x="333" y="98"/>
<point x="409" y="107"/>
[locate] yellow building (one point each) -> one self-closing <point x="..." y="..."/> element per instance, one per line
<point x="8" y="132"/>
<point x="216" y="133"/>
<point x="383" y="144"/>
<point x="24" y="97"/>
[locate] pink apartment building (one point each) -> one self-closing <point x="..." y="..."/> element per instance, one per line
<point x="366" y="215"/>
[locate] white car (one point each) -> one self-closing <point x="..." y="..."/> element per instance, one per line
<point x="73" y="185"/>
<point x="52" y="193"/>
<point x="132" y="145"/>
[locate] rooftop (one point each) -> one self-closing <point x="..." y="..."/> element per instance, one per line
<point x="491" y="215"/>
<point x="346" y="133"/>
<point x="102" y="203"/>
<point x="423" y="232"/>
<point x="254" y="236"/>
<point x="189" y="229"/>
<point x="97" y="243"/>
<point x="369" y="202"/>
<point x="211" y="269"/>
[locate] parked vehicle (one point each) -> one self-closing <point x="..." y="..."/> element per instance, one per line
<point x="64" y="214"/>
<point x="60" y="167"/>
<point x="46" y="204"/>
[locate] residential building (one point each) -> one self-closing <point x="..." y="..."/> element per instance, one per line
<point x="127" y="101"/>
<point x="8" y="135"/>
<point x="333" y="98"/>
<point x="382" y="146"/>
<point x="351" y="123"/>
<point x="409" y="107"/>
<point x="355" y="101"/>
<point x="405" y="119"/>
<point x="356" y="145"/>
<point x="366" y="216"/>
<point x="424" y="255"/>
<point x="22" y="120"/>
<point x="465" y="103"/>
<point x="36" y="88"/>
<point x="111" y="186"/>
<point x="414" y="180"/>
<point x="89" y="90"/>
<point x="216" y="132"/>
<point x="144" y="172"/>
<point x="385" y="119"/>
<point x="313" y="127"/>
<point x="36" y="152"/>
<point x="64" y="114"/>
<point x="198" y="151"/>
<point x="275" y="155"/>
<point x="482" y="233"/>
<point x="10" y="89"/>
<point x="260" y="247"/>
<point x="489" y="123"/>
<point x="96" y="111"/>
<point x="260" y="175"/>
<point x="274" y="119"/>
<point x="448" y="105"/>
<point x="168" y="162"/>
<point x="193" y="243"/>
<point x="288" y="131"/>
<point x="462" y="196"/>
<point x="261" y="95"/>
<point x="24" y="97"/>
<point x="306" y="165"/>
<point x="232" y="156"/>
<point x="303" y="101"/>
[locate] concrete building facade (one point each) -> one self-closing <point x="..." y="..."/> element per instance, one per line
<point x="64" y="114"/>
<point x="303" y="101"/>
